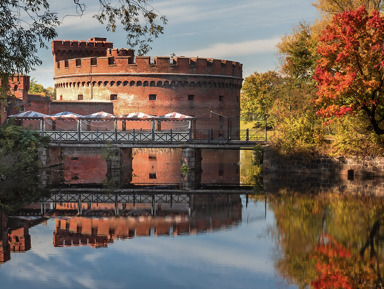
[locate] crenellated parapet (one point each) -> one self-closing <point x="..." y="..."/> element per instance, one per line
<point x="70" y="49"/>
<point x="95" y="71"/>
<point x="122" y="61"/>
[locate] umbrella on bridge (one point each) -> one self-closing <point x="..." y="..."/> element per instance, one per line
<point x="174" y="116"/>
<point x="30" y="114"/>
<point x="138" y="116"/>
<point x="101" y="115"/>
<point x="66" y="114"/>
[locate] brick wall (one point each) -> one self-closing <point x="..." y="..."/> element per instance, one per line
<point x="192" y="86"/>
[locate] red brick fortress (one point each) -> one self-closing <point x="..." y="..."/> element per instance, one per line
<point x="208" y="89"/>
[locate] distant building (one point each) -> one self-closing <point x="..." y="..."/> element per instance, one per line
<point x="18" y="86"/>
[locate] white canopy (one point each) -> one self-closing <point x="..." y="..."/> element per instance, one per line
<point x="66" y="114"/>
<point x="137" y="115"/>
<point x="100" y="115"/>
<point x="175" y="116"/>
<point x="29" y="114"/>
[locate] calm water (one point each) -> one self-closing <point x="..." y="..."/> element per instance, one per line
<point x="311" y="233"/>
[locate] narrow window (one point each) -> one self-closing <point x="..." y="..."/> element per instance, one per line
<point x="152" y="176"/>
<point x="58" y="65"/>
<point x="221" y="172"/>
<point x="113" y="97"/>
<point x="111" y="60"/>
<point x="66" y="63"/>
<point x="221" y="97"/>
<point x="152" y="97"/>
<point x="93" y="61"/>
<point x="80" y="97"/>
<point x="191" y="97"/>
<point x="152" y="157"/>
<point x="78" y="62"/>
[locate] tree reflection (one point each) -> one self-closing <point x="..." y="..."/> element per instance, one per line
<point x="20" y="190"/>
<point x="329" y="240"/>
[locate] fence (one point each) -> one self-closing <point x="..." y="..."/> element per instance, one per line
<point x="154" y="136"/>
<point x="118" y="136"/>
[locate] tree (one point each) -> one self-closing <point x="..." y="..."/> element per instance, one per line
<point x="338" y="6"/>
<point x="298" y="52"/>
<point x="26" y="26"/>
<point x="350" y="71"/>
<point x="36" y="88"/>
<point x="257" y="96"/>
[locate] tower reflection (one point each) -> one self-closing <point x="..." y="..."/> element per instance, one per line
<point x="96" y="220"/>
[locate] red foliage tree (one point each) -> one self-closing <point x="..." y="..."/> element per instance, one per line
<point x="350" y="71"/>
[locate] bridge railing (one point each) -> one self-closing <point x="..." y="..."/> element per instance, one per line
<point x="166" y="136"/>
<point x="118" y="136"/>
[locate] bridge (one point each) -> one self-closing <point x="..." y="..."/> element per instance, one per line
<point x="79" y="200"/>
<point x="155" y="139"/>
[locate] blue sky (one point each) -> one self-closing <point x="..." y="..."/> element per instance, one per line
<point x="246" y="31"/>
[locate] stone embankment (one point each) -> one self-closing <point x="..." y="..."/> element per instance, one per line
<point x="352" y="175"/>
<point x="323" y="164"/>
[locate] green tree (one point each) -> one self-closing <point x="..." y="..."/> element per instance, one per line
<point x="36" y="88"/>
<point x="298" y="51"/>
<point x="338" y="6"/>
<point x="27" y="25"/>
<point x="258" y="94"/>
<point x="297" y="129"/>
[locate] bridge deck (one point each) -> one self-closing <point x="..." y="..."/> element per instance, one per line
<point x="194" y="144"/>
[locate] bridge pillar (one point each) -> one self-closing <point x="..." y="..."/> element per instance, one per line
<point x="86" y="165"/>
<point x="50" y="166"/>
<point x="119" y="166"/>
<point x="191" y="168"/>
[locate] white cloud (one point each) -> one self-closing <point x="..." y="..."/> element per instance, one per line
<point x="224" y="50"/>
<point x="198" y="252"/>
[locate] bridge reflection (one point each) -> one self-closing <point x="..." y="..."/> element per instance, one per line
<point x="97" y="219"/>
<point x="126" y="167"/>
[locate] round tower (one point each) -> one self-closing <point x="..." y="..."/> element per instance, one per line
<point x="206" y="88"/>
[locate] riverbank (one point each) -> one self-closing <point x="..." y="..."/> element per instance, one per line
<point x="349" y="167"/>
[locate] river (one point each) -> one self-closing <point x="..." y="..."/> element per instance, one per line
<point x="230" y="231"/>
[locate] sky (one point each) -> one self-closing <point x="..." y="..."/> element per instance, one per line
<point x="246" y="31"/>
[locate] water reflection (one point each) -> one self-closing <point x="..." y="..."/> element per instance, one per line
<point x="97" y="224"/>
<point x="125" y="167"/>
<point x="329" y="240"/>
<point x="302" y="232"/>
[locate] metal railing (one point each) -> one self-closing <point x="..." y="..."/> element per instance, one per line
<point x="118" y="136"/>
<point x="154" y="136"/>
